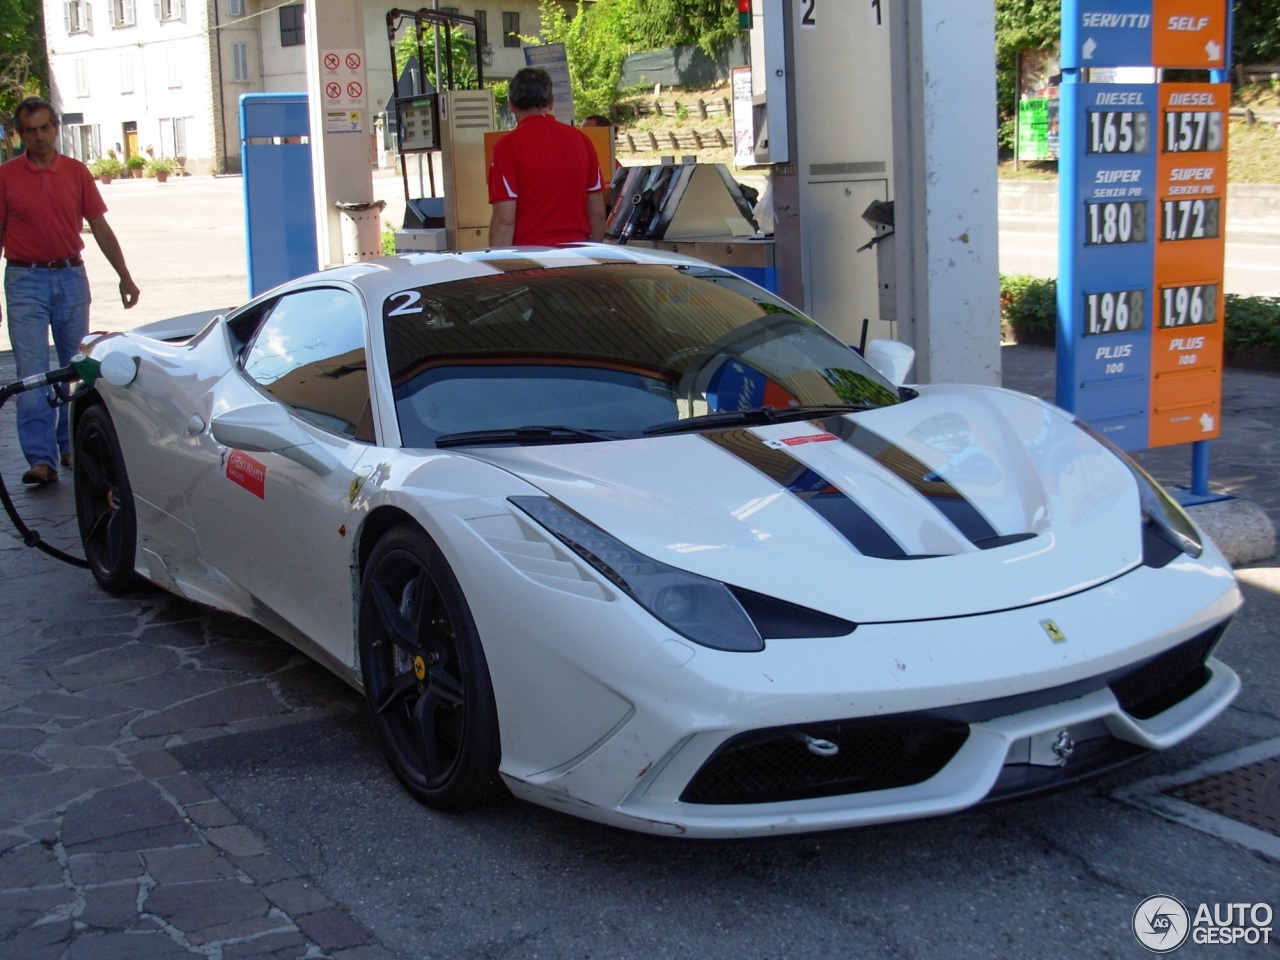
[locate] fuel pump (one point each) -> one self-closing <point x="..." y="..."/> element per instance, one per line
<point x="449" y="120"/>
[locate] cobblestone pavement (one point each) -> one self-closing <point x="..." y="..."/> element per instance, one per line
<point x="109" y="848"/>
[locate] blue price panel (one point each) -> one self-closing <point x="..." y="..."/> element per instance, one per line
<point x="1106" y="33"/>
<point x="1107" y="254"/>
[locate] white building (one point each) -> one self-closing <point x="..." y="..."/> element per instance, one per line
<point x="166" y="77"/>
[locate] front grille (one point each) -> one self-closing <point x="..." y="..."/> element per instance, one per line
<point x="770" y="766"/>
<point x="1155" y="685"/>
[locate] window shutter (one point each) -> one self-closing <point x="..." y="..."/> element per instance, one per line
<point x="130" y="15"/>
<point x="88" y="16"/>
<point x="66" y="16"/>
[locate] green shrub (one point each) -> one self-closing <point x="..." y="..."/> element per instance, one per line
<point x="388" y="241"/>
<point x="106" y="167"/>
<point x="135" y="161"/>
<point x="1251" y="331"/>
<point x="1029" y="308"/>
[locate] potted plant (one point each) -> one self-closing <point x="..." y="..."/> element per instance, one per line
<point x="161" y="167"/>
<point x="135" y="162"/>
<point x="106" y="169"/>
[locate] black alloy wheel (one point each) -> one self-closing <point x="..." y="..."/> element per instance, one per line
<point x="425" y="676"/>
<point x="104" y="501"/>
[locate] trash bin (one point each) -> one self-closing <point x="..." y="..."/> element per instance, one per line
<point x="361" y="229"/>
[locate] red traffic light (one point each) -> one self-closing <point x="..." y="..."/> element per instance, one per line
<point x="744" y="14"/>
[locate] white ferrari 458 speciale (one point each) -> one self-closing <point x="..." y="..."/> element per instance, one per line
<point x="629" y="535"/>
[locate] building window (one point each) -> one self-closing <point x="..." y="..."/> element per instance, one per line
<point x="291" y="26"/>
<point x="177" y="139"/>
<point x="482" y="29"/>
<point x="82" y="77"/>
<point x="510" y="29"/>
<point x="122" y="13"/>
<point x="126" y="73"/>
<point x="80" y="140"/>
<point x="77" y="16"/>
<point x="240" y="62"/>
<point x="173" y="63"/>
<point x="169" y="10"/>
<point x="236" y="8"/>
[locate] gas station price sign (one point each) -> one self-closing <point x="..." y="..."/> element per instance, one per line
<point x="1191" y="184"/>
<point x="1108" y="290"/>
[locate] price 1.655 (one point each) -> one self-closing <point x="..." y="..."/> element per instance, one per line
<point x="1188" y="306"/>
<point x="1115" y="311"/>
<point x="1119" y="131"/>
<point x="1123" y="221"/>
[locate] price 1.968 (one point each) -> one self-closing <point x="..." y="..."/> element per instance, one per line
<point x="1119" y="131"/>
<point x="1190" y="219"/>
<point x="1188" y="306"/>
<point x="1188" y="131"/>
<point x="1115" y="311"/>
<point x="1122" y="221"/>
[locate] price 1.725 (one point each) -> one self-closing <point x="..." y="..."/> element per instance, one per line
<point x="1119" y="131"/>
<point x="1188" y="306"/>
<point x="1192" y="131"/>
<point x="1190" y="219"/>
<point x="1122" y="221"/>
<point x="1115" y="311"/>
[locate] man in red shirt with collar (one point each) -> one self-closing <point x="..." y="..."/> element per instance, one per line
<point x="545" y="184"/>
<point x="45" y="198"/>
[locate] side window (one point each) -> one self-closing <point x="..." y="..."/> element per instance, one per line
<point x="309" y="353"/>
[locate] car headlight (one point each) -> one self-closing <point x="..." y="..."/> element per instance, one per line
<point x="1161" y="514"/>
<point x="703" y="610"/>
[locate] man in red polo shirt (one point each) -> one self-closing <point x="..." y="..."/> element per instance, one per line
<point x="45" y="198"/>
<point x="545" y="184"/>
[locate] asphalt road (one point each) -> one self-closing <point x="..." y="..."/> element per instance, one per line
<point x="268" y="745"/>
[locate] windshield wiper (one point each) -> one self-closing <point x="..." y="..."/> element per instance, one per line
<point x="754" y="417"/>
<point x="523" y="436"/>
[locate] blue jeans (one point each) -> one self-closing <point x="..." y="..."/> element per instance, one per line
<point x="39" y="301"/>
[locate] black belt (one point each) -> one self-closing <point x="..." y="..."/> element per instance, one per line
<point x="49" y="264"/>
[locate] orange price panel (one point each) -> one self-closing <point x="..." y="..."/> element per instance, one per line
<point x="1189" y="33"/>
<point x="1190" y="245"/>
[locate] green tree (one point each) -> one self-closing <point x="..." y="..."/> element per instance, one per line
<point x="709" y="24"/>
<point x="462" y="44"/>
<point x="1020" y="25"/>
<point x="24" y="70"/>
<point x="596" y="38"/>
<point x="1256" y="34"/>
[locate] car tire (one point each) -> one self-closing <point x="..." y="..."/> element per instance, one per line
<point x="425" y="676"/>
<point x="105" y="510"/>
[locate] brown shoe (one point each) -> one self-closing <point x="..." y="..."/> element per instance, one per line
<point x="65" y="459"/>
<point x="40" y="473"/>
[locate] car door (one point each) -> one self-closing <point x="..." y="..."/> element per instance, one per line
<point x="277" y="523"/>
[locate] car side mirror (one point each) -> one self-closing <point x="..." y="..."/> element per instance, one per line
<point x="891" y="359"/>
<point x="269" y="428"/>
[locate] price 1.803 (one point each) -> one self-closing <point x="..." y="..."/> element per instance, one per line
<point x="1188" y="306"/>
<point x="1190" y="219"/>
<point x="1115" y="311"/>
<point x="1192" y="131"/>
<point x="1119" y="131"/>
<point x="1123" y="221"/>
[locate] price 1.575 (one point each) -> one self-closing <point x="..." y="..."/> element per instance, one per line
<point x="1188" y="131"/>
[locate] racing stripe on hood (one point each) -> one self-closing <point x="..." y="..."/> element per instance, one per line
<point x="816" y="491"/>
<point x="946" y="499"/>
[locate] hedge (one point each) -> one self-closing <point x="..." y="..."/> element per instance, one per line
<point x="1029" y="314"/>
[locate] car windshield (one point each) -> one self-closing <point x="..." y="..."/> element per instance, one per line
<point x="608" y="351"/>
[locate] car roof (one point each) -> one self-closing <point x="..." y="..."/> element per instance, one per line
<point x="383" y="276"/>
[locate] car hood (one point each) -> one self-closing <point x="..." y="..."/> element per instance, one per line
<point x="960" y="501"/>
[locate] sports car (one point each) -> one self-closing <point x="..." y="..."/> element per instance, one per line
<point x="632" y="537"/>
